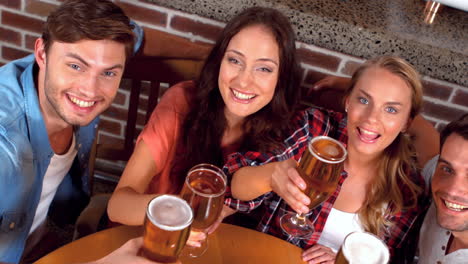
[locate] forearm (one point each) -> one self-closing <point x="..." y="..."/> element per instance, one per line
<point x="250" y="182"/>
<point x="128" y="207"/>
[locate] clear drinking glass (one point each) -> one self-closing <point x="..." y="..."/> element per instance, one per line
<point x="320" y="167"/>
<point x="167" y="228"/>
<point x="204" y="190"/>
<point x="362" y="247"/>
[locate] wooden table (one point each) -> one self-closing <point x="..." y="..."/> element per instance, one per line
<point x="228" y="245"/>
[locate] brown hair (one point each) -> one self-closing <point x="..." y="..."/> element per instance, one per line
<point x="205" y="124"/>
<point x="76" y="20"/>
<point x="397" y="162"/>
<point x="459" y="127"/>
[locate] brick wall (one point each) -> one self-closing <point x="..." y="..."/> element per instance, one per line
<point x="21" y="23"/>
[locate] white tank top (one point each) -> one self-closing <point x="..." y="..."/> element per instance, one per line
<point x="58" y="168"/>
<point x="339" y="224"/>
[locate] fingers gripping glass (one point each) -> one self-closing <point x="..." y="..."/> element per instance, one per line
<point x="204" y="190"/>
<point x="320" y="167"/>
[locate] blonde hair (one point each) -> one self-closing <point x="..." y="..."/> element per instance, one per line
<point x="384" y="196"/>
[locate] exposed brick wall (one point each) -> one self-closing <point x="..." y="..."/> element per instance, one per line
<point x="21" y="22"/>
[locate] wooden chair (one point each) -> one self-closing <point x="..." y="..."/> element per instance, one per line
<point x="140" y="71"/>
<point x="165" y="59"/>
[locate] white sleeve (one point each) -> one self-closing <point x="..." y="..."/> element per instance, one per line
<point x="429" y="170"/>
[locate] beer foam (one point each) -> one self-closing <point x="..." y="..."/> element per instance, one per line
<point x="331" y="150"/>
<point x="364" y="248"/>
<point x="170" y="212"/>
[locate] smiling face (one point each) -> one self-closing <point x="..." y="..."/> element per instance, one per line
<point x="78" y="81"/>
<point x="450" y="184"/>
<point x="249" y="71"/>
<point x="378" y="110"/>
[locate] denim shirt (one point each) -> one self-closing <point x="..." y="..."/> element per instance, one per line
<point x="25" y="154"/>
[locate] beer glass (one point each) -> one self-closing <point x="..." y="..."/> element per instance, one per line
<point x="167" y="228"/>
<point x="362" y="248"/>
<point x="204" y="190"/>
<point x="320" y="167"/>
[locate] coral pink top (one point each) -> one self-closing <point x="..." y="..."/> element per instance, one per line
<point x="161" y="133"/>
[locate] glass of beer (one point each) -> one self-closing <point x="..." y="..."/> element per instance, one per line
<point x="204" y="190"/>
<point x="363" y="248"/>
<point x="167" y="228"/>
<point x="320" y="167"/>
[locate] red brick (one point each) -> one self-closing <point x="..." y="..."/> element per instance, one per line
<point x="461" y="98"/>
<point x="10" y="36"/>
<point x="112" y="141"/>
<point x="350" y="67"/>
<point x="314" y="76"/>
<point x="185" y="24"/>
<point x="23" y="22"/>
<point x="30" y="41"/>
<point x="144" y="14"/>
<point x="39" y="8"/>
<point x="435" y="90"/>
<point x="440" y="126"/>
<point x="11" y="3"/>
<point x="330" y="99"/>
<point x="442" y="112"/>
<point x="319" y="59"/>
<point x="116" y="113"/>
<point x="120" y="98"/>
<point x="125" y="84"/>
<point x="141" y="119"/>
<point x="12" y="53"/>
<point x="110" y="127"/>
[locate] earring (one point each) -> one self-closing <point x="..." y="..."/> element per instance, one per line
<point x="346" y="110"/>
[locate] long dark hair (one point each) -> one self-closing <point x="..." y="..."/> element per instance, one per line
<point x="205" y="124"/>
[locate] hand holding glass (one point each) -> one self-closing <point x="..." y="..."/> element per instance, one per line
<point x="204" y="190"/>
<point x="320" y="167"/>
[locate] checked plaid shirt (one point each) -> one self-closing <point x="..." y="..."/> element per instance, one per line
<point x="270" y="207"/>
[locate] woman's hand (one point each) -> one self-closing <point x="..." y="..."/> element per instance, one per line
<point x="288" y="184"/>
<point x="319" y="254"/>
<point x="197" y="237"/>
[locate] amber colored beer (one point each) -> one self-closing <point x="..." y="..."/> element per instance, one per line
<point x="204" y="190"/>
<point x="320" y="167"/>
<point x="362" y="248"/>
<point x="167" y="227"/>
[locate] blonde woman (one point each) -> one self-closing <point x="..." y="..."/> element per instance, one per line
<point x="380" y="189"/>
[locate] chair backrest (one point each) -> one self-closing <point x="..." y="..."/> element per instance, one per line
<point x="163" y="59"/>
<point x="141" y="70"/>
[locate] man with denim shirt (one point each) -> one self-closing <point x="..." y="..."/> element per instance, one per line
<point x="444" y="234"/>
<point x="50" y="102"/>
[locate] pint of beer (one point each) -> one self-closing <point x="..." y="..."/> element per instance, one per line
<point x="320" y="167"/>
<point x="167" y="227"/>
<point x="362" y="248"/>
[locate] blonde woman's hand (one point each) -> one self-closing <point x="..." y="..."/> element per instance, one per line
<point x="288" y="184"/>
<point x="319" y="254"/>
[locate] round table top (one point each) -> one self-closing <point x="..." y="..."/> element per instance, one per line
<point x="228" y="245"/>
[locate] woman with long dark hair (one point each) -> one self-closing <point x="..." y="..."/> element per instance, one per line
<point x="245" y="95"/>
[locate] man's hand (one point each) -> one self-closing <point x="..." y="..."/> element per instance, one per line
<point x="126" y="254"/>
